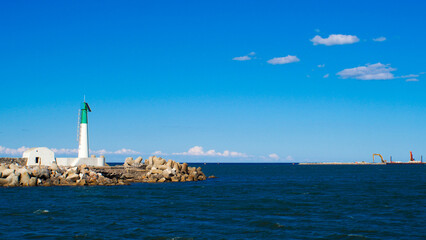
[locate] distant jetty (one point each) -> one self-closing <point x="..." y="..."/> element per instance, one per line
<point x="15" y="173"/>
<point x="364" y="163"/>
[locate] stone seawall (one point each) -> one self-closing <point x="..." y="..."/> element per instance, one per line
<point x="152" y="170"/>
<point x="19" y="161"/>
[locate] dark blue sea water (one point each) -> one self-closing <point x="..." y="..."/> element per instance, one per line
<point x="246" y="201"/>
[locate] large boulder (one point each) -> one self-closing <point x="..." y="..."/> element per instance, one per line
<point x="73" y="177"/>
<point x="41" y="172"/>
<point x="158" y="162"/>
<point x="138" y="161"/>
<point x="129" y="162"/>
<point x="167" y="174"/>
<point x="184" y="168"/>
<point x="14" y="166"/>
<point x="21" y="171"/>
<point x="2" y="168"/>
<point x="25" y="179"/>
<point x="161" y="180"/>
<point x="7" y="172"/>
<point x="170" y="163"/>
<point x="176" y="166"/>
<point x="156" y="171"/>
<point x="3" y="182"/>
<point x="54" y="167"/>
<point x="33" y="182"/>
<point x="162" y="167"/>
<point x="13" y="180"/>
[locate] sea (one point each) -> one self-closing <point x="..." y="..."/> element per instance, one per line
<point x="245" y="201"/>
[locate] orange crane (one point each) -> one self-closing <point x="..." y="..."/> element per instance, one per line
<point x="411" y="156"/>
<point x="381" y="158"/>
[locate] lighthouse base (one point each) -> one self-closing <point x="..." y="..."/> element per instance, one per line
<point x="72" y="162"/>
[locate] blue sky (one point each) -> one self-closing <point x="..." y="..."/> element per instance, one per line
<point x="209" y="81"/>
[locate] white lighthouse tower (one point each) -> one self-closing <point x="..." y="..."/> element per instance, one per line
<point x="83" y="143"/>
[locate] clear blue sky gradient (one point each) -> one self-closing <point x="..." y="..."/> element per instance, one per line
<point x="159" y="75"/>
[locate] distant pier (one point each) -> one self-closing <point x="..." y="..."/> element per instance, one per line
<point x="365" y="163"/>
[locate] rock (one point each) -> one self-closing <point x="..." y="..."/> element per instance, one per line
<point x="3" y="182"/>
<point x="190" y="178"/>
<point x="184" y="168"/>
<point x="25" y="179"/>
<point x="169" y="163"/>
<point x="47" y="183"/>
<point x="175" y="179"/>
<point x="150" y="161"/>
<point x="13" y="180"/>
<point x="54" y="167"/>
<point x="13" y="166"/>
<point x="138" y="161"/>
<point x="32" y="182"/>
<point x="21" y="171"/>
<point x="162" y="167"/>
<point x="182" y="178"/>
<point x="41" y="172"/>
<point x="81" y="182"/>
<point x="158" y="162"/>
<point x="129" y="162"/>
<point x="73" y="177"/>
<point x="199" y="169"/>
<point x="167" y="173"/>
<point x="7" y="172"/>
<point x="162" y="180"/>
<point x="212" y="176"/>
<point x="151" y="180"/>
<point x="156" y="171"/>
<point x="82" y="167"/>
<point x="2" y="168"/>
<point x="176" y="166"/>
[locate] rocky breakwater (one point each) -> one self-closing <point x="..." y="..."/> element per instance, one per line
<point x="152" y="170"/>
<point x="14" y="175"/>
<point x="160" y="170"/>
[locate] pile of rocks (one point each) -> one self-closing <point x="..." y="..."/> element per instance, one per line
<point x="160" y="170"/>
<point x="14" y="175"/>
<point x="152" y="170"/>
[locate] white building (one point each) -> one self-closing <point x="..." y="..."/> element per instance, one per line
<point x="39" y="156"/>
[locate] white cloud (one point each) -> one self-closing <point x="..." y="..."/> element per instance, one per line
<point x="326" y="75"/>
<point x="122" y="151"/>
<point x="283" y="60"/>
<point x="379" y="39"/>
<point x="289" y="158"/>
<point x="125" y="151"/>
<point x="410" y="76"/>
<point x="66" y="151"/>
<point x="321" y="65"/>
<point x="412" y="80"/>
<point x="274" y="156"/>
<point x="335" y="39"/>
<point x="158" y="153"/>
<point x="199" y="151"/>
<point x="242" y="58"/>
<point x="376" y="71"/>
<point x="12" y="151"/>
